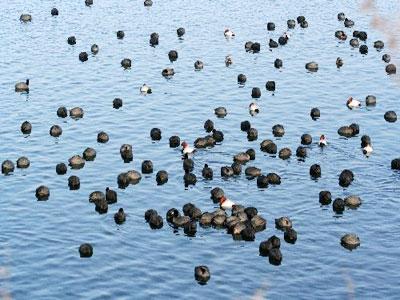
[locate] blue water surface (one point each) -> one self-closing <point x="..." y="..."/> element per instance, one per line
<point x="39" y="241"/>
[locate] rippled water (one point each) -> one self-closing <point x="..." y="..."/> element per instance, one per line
<point x="39" y="241"/>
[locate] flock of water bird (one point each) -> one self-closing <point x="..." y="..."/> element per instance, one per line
<point x="239" y="221"/>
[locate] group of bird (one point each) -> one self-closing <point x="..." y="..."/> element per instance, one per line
<point x="240" y="221"/>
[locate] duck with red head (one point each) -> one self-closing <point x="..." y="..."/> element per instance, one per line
<point x="225" y="203"/>
<point x="186" y="149"/>
<point x="322" y="141"/>
<point x="353" y="103"/>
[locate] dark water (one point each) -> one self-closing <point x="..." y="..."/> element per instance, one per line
<point x="39" y="241"/>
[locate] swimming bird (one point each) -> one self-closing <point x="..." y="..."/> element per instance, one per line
<point x="286" y="35"/>
<point x="145" y="89"/>
<point x="225" y="203"/>
<point x="339" y="62"/>
<point x="186" y="149"/>
<point x="22" y="86"/>
<point x="198" y="65"/>
<point x="120" y="216"/>
<point x="367" y="149"/>
<point x="353" y="103"/>
<point x="342" y="36"/>
<point x="254" y="108"/>
<point x="229" y="33"/>
<point x="322" y="141"/>
<point x="228" y="60"/>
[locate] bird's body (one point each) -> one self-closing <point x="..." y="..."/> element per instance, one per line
<point x="22" y="86"/>
<point x="322" y="141"/>
<point x="145" y="89"/>
<point x="186" y="149"/>
<point x="254" y="108"/>
<point x="353" y="103"/>
<point x="229" y="33"/>
<point x="286" y="35"/>
<point x="228" y="60"/>
<point x="225" y="203"/>
<point x="367" y="149"/>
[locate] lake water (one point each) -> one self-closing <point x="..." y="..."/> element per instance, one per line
<point x="39" y="241"/>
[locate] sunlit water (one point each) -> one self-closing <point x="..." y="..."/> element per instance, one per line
<point x="39" y="241"/>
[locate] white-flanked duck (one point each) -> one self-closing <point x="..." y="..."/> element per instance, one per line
<point x="322" y="141"/>
<point x="367" y="149"/>
<point x="145" y="89"/>
<point x="225" y="203"/>
<point x="186" y="149"/>
<point x="286" y="35"/>
<point x="353" y="103"/>
<point x="228" y="60"/>
<point x="254" y="108"/>
<point x="229" y="33"/>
